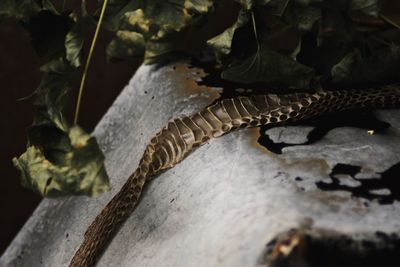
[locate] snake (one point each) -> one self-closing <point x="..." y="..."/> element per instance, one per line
<point x="183" y="135"/>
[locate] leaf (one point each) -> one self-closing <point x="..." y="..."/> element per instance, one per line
<point x="74" y="46"/>
<point x="127" y="44"/>
<point x="80" y="172"/>
<point x="376" y="66"/>
<point x="59" y="160"/>
<point x="115" y="11"/>
<point x="307" y="18"/>
<point x="48" y="5"/>
<point x="18" y="9"/>
<point x="369" y="7"/>
<point x="136" y="21"/>
<point x="250" y="4"/>
<point x="161" y="23"/>
<point x="222" y="43"/>
<point x="302" y="14"/>
<point x="279" y="6"/>
<point x="265" y="65"/>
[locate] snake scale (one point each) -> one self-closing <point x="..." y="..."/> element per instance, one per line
<point x="182" y="135"/>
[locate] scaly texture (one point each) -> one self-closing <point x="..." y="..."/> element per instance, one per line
<point x="182" y="135"/>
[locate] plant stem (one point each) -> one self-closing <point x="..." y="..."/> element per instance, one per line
<point x="257" y="54"/>
<point x="96" y="33"/>
<point x="255" y="29"/>
<point x="390" y="21"/>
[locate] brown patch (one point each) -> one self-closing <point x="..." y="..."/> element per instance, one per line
<point x="330" y="200"/>
<point x="317" y="165"/>
<point x="254" y="134"/>
<point x="189" y="77"/>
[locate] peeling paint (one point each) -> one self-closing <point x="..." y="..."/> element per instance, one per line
<point x="384" y="188"/>
<point x="189" y="77"/>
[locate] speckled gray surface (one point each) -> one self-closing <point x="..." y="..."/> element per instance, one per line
<point x="225" y="201"/>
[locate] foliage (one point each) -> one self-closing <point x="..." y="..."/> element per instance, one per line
<point x="326" y="39"/>
<point x="59" y="159"/>
<point x="153" y="28"/>
<point x="291" y="43"/>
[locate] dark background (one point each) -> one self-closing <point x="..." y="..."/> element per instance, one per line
<point x="19" y="77"/>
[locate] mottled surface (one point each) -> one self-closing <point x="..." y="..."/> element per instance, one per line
<point x="224" y="202"/>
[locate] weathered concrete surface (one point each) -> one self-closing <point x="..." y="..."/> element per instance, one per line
<point x="222" y="204"/>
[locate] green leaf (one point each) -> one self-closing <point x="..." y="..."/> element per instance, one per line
<point x="375" y="66"/>
<point x="18" y="9"/>
<point x="59" y="160"/>
<point x="161" y="23"/>
<point x="48" y="5"/>
<point x="126" y="44"/>
<point x="369" y="7"/>
<point x="265" y="65"/>
<point x="307" y="18"/>
<point x="301" y="14"/>
<point x="250" y="4"/>
<point x="115" y="11"/>
<point x="222" y="43"/>
<point x="81" y="170"/>
<point x="74" y="46"/>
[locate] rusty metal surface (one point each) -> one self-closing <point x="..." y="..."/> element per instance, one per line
<point x="228" y="199"/>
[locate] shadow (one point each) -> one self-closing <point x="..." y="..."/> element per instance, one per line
<point x="316" y="248"/>
<point x="325" y="123"/>
<point x="388" y="180"/>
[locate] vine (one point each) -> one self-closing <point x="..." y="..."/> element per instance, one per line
<point x="89" y="58"/>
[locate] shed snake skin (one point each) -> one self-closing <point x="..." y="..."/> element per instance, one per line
<point x="182" y="135"/>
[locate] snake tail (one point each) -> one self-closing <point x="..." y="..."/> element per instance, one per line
<point x="181" y="135"/>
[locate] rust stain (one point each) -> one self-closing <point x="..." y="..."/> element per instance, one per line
<point x="317" y="165"/>
<point x="189" y="77"/>
<point x="288" y="244"/>
<point x="254" y="134"/>
<point x="333" y="201"/>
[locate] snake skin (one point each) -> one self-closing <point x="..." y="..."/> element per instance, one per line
<point x="180" y="136"/>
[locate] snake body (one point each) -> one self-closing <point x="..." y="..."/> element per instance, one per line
<point x="182" y="135"/>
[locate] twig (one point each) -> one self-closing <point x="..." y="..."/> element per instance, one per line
<point x="96" y="33"/>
